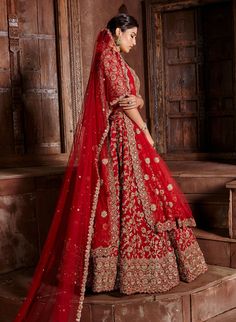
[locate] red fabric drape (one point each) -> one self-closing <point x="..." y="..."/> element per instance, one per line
<point x="120" y="216"/>
<point x="58" y="286"/>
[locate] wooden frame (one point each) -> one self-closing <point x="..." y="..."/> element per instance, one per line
<point x="155" y="72"/>
<point x="70" y="84"/>
<point x="70" y="67"/>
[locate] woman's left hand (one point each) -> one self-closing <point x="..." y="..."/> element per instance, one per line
<point x="130" y="102"/>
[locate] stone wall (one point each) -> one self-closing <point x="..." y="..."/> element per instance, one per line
<point x="94" y="16"/>
<point x="27" y="202"/>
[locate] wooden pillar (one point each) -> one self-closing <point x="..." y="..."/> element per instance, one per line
<point x="16" y="95"/>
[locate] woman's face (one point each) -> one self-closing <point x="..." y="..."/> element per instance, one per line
<point x="127" y="38"/>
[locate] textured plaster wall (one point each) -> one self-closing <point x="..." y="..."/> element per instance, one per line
<point x="94" y="16"/>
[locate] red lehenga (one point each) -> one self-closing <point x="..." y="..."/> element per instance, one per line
<point x="121" y="222"/>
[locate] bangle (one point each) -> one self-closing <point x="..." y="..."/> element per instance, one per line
<point x="144" y="127"/>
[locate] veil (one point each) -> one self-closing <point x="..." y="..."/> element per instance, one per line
<point x="58" y="286"/>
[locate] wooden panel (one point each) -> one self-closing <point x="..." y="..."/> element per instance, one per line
<point x="28" y="16"/>
<point x="39" y="66"/>
<point x="190" y="127"/>
<point x="192" y="76"/>
<point x="30" y="63"/>
<point x="29" y="68"/>
<point x="4" y="56"/>
<point x="181" y="80"/>
<point x="41" y="109"/>
<point x="48" y="63"/>
<point x="3" y="15"/>
<point x="45" y="10"/>
<point x="6" y="128"/>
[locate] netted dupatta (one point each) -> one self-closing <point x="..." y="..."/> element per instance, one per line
<point x="57" y="290"/>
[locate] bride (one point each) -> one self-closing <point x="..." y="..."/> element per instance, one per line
<point x="121" y="221"/>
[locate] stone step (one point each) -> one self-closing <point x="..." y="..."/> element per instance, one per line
<point x="207" y="297"/>
<point x="229" y="316"/>
<point x="217" y="250"/>
<point x="207" y="188"/>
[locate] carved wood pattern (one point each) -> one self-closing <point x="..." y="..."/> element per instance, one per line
<point x="179" y="97"/>
<point x="16" y="90"/>
<point x="76" y="60"/>
<point x="40" y="78"/>
<point x="6" y="128"/>
<point x="70" y="67"/>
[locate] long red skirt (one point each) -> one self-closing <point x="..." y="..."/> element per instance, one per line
<point x="142" y="241"/>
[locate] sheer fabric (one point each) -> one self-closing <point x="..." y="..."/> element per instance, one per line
<point x="121" y="221"/>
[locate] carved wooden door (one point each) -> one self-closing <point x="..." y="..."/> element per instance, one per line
<point x="29" y="100"/>
<point x="198" y="53"/>
<point x="182" y="61"/>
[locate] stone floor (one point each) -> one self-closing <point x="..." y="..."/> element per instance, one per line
<point x="211" y="297"/>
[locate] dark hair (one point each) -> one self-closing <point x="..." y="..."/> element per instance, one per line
<point x="122" y="21"/>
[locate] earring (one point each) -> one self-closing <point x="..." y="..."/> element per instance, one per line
<point x="117" y="41"/>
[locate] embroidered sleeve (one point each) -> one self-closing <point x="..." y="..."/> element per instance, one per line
<point x="115" y="77"/>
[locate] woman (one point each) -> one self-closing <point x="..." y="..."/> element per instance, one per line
<point x="121" y="221"/>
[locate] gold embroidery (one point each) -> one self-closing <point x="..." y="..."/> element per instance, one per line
<point x="90" y="230"/>
<point x="104" y="214"/>
<point x="152" y="275"/>
<point x="153" y="207"/>
<point x="104" y="161"/>
<point x="138" y="171"/>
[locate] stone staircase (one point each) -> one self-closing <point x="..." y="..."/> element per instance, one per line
<point x="212" y="297"/>
<point x="210" y="189"/>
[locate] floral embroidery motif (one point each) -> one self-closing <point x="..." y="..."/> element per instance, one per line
<point x="146" y="225"/>
<point x="103" y="214"/>
<point x="104" y="161"/>
<point x="115" y="72"/>
<point x="153" y="207"/>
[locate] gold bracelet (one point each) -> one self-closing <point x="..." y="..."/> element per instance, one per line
<point x="144" y="127"/>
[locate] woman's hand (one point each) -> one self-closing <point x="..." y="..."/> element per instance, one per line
<point x="130" y="102"/>
<point x="148" y="136"/>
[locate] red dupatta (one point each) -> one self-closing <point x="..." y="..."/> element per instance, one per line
<point x="57" y="290"/>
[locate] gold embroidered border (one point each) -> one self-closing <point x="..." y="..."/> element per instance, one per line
<point x="139" y="275"/>
<point x="191" y="262"/>
<point x="138" y="172"/>
<point x="170" y="224"/>
<point x="105" y="273"/>
<point x="90" y="231"/>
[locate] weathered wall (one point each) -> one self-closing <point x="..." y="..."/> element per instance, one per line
<point x="94" y="16"/>
<point x="27" y="202"/>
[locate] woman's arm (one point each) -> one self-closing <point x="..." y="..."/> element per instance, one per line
<point x="130" y="106"/>
<point x="135" y="116"/>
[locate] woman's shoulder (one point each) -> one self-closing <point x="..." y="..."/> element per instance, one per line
<point x="108" y="53"/>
